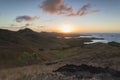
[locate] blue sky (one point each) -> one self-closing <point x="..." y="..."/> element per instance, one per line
<point x="105" y="20"/>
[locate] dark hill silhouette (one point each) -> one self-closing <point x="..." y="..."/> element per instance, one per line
<point x="27" y="37"/>
<point x="26" y="30"/>
<point x="14" y="43"/>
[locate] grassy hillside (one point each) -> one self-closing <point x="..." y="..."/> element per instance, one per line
<point x="31" y="55"/>
<point x="45" y="44"/>
<point x="15" y="44"/>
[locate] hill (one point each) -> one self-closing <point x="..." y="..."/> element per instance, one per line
<point x="26" y="42"/>
<point x="14" y="44"/>
<point x="36" y="55"/>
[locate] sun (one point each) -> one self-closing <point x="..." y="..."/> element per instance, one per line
<point x="66" y="29"/>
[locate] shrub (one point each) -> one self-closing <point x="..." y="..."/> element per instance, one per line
<point x="29" y="58"/>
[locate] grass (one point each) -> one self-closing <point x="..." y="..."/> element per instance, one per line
<point x="28" y="58"/>
<point x="60" y="54"/>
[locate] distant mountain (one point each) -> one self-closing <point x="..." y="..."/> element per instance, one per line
<point x="26" y="30"/>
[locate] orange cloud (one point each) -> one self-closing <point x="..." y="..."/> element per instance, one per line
<point x="84" y="10"/>
<point x="55" y="7"/>
<point x="58" y="7"/>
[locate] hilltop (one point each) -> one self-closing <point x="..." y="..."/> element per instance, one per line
<point x="33" y="54"/>
<point x="14" y="44"/>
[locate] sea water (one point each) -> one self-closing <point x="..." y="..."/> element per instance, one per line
<point x="107" y="37"/>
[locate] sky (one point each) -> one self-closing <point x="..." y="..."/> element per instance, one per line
<point x="51" y="15"/>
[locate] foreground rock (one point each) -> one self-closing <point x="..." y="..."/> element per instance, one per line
<point x="66" y="72"/>
<point x="74" y="72"/>
<point x="72" y="69"/>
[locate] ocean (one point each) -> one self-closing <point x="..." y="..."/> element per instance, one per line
<point x="107" y="37"/>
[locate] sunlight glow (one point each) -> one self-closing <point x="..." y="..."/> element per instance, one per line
<point x="66" y="29"/>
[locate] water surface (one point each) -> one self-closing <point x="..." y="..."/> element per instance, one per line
<point x="107" y="37"/>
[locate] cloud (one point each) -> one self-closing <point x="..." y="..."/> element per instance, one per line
<point x="26" y="18"/>
<point x="58" y="7"/>
<point x="84" y="10"/>
<point x="55" y="7"/>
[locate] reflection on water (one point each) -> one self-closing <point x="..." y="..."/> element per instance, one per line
<point x="86" y="36"/>
<point x="99" y="37"/>
<point x="96" y="41"/>
<point x="68" y="37"/>
<point x="108" y="37"/>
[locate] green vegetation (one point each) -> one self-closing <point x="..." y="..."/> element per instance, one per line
<point x="60" y="54"/>
<point x="77" y="42"/>
<point x="29" y="58"/>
